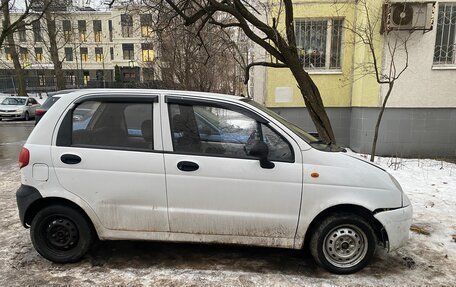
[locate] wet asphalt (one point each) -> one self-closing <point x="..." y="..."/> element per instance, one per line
<point x="13" y="135"/>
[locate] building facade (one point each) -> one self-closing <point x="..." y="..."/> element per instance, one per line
<point x="421" y="112"/>
<point x="96" y="48"/>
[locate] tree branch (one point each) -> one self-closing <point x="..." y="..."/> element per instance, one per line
<point x="265" y="64"/>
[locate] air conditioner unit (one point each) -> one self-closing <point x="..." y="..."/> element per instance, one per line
<point x="410" y="15"/>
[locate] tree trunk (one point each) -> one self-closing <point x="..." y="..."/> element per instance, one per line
<point x="20" y="83"/>
<point x="312" y="99"/>
<point x="379" y="119"/>
<point x="53" y="49"/>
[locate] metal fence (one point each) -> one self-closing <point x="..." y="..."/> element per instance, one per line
<point x="43" y="84"/>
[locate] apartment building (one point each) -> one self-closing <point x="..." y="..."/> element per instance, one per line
<point x="95" y="47"/>
<point x="421" y="113"/>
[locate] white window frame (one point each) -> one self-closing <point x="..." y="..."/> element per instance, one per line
<point x="327" y="68"/>
<point x="439" y="64"/>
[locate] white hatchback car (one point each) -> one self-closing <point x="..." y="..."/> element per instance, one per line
<point x="197" y="167"/>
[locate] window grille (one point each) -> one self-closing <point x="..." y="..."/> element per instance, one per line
<point x="319" y="43"/>
<point x="445" y="42"/>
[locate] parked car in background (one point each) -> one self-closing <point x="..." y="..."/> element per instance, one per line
<point x="18" y="108"/>
<point x="182" y="166"/>
<point x="52" y="98"/>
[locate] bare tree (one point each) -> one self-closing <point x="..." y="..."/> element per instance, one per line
<point x="396" y="59"/>
<point x="277" y="38"/>
<point x="24" y="19"/>
<point x="187" y="63"/>
<point x="52" y="33"/>
<point x="21" y="85"/>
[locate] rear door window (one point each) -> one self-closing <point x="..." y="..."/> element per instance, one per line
<point x="113" y="125"/>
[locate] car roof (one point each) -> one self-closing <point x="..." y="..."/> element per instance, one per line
<point x="82" y="92"/>
<point x="60" y="93"/>
<point x="16" y="97"/>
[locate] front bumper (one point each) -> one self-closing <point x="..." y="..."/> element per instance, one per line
<point x="11" y="115"/>
<point x="397" y="224"/>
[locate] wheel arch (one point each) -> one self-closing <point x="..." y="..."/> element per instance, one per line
<point x="41" y="203"/>
<point x="365" y="213"/>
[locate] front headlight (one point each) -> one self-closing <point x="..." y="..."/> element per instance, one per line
<point x="405" y="200"/>
<point x="396" y="183"/>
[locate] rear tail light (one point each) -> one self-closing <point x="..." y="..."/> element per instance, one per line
<point x="40" y="112"/>
<point x="24" y="157"/>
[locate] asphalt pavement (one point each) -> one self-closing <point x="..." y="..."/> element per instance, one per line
<point x="13" y="134"/>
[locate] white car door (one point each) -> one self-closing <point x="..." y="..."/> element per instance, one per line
<point x="108" y="152"/>
<point x="214" y="186"/>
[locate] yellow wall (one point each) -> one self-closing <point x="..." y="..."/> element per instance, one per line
<point x="366" y="90"/>
<point x="337" y="87"/>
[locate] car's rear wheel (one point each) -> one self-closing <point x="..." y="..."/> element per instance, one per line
<point x="343" y="243"/>
<point x="61" y="234"/>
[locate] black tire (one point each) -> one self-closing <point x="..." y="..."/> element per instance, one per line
<point x="26" y="116"/>
<point x="61" y="234"/>
<point x="343" y="243"/>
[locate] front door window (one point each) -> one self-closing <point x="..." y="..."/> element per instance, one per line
<point x="215" y="131"/>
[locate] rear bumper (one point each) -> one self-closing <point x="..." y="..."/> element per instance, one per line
<point x="397" y="224"/>
<point x="25" y="196"/>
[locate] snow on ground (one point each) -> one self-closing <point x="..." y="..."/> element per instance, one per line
<point x="427" y="260"/>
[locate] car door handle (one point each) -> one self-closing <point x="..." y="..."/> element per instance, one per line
<point x="187" y="166"/>
<point x="70" y="159"/>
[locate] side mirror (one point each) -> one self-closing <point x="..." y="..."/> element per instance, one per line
<point x="260" y="150"/>
<point x="30" y="104"/>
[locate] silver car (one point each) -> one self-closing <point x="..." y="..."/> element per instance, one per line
<point x="18" y="108"/>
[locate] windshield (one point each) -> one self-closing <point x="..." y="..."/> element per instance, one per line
<point x="14" y="101"/>
<point x="308" y="138"/>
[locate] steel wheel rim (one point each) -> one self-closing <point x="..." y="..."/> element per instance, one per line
<point x="345" y="246"/>
<point x="61" y="233"/>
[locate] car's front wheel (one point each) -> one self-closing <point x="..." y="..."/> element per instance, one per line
<point x="26" y="116"/>
<point x="61" y="234"/>
<point x="343" y="243"/>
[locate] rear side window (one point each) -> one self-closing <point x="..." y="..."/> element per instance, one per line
<point x="106" y="125"/>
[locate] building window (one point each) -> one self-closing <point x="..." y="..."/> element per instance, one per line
<point x="126" y="22"/>
<point x="66" y="24"/>
<point x="82" y="28"/>
<point x="128" y="51"/>
<point x="86" y="77"/>
<point x="146" y="25"/>
<point x="445" y="41"/>
<point x="68" y="54"/>
<point x="100" y="75"/>
<point x="111" y="52"/>
<point x="70" y="78"/>
<point x="39" y="54"/>
<point x="37" y="32"/>
<point x="8" y="55"/>
<point x="110" y="30"/>
<point x="147" y="52"/>
<point x="22" y="32"/>
<point x="97" y="30"/>
<point x="41" y="80"/>
<point x="319" y="43"/>
<point x="84" y="54"/>
<point x="99" y="54"/>
<point x="129" y="76"/>
<point x="24" y="54"/>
